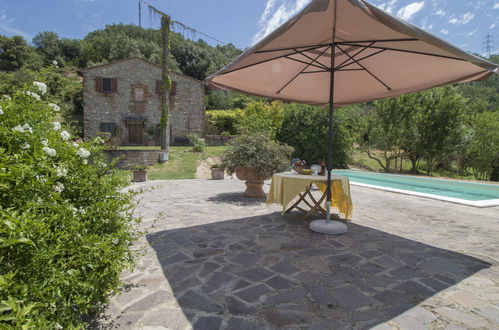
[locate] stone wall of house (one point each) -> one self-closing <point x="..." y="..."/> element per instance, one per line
<point x="122" y="108"/>
<point x="127" y="158"/>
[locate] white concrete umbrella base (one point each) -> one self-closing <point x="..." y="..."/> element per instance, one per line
<point x="329" y="227"/>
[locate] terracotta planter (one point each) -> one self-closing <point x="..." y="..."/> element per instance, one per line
<point x="254" y="181"/>
<point x="139" y="176"/>
<point x="217" y="174"/>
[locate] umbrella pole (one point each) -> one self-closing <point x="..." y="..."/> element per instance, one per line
<point x="330" y="137"/>
<point x="327" y="226"/>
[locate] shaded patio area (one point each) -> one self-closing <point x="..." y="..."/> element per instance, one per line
<point x="214" y="259"/>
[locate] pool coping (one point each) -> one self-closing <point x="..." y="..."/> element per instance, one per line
<point x="483" y="203"/>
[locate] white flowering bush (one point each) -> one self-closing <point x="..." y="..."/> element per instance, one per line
<point x="66" y="222"/>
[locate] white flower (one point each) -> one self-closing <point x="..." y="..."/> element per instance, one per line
<point x="33" y="95"/>
<point x="57" y="125"/>
<point x="65" y="135"/>
<point x="76" y="145"/>
<point x="54" y="107"/>
<point x="102" y="164"/>
<point x="85" y="161"/>
<point x="49" y="151"/>
<point x="61" y="171"/>
<point x="24" y="128"/>
<point x="25" y="146"/>
<point x="41" y="87"/>
<point x="99" y="140"/>
<point x="54" y="62"/>
<point x="7" y="97"/>
<point x="59" y="187"/>
<point x="45" y="142"/>
<point x="1" y="111"/>
<point x="83" y="153"/>
<point x="41" y="179"/>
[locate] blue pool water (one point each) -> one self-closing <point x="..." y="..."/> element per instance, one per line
<point x="448" y="188"/>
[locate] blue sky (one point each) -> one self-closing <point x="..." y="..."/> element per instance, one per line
<point x="242" y="22"/>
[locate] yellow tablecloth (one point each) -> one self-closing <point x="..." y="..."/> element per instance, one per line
<point x="286" y="186"/>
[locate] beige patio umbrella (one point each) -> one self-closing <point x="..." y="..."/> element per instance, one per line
<point x="340" y="52"/>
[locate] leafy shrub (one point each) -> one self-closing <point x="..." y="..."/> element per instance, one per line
<point x="260" y="117"/>
<point x="483" y="152"/>
<point x="257" y="150"/>
<point x="219" y="121"/>
<point x="305" y="128"/>
<point x="66" y="220"/>
<point x="199" y="144"/>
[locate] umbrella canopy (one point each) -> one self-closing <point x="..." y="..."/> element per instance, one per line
<point x="375" y="56"/>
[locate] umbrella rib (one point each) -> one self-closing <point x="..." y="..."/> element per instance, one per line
<point x="407" y="51"/>
<point x="314" y="65"/>
<point x="360" y="59"/>
<point x="363" y="67"/>
<point x="330" y="44"/>
<point x="299" y="73"/>
<point x="354" y="55"/>
<point x="310" y="58"/>
<point x="273" y="58"/>
<point x="317" y="71"/>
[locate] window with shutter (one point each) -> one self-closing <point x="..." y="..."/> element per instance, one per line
<point x="98" y="84"/>
<point x="107" y="86"/>
<point x="109" y="128"/>
<point x="158" y="86"/>
<point x="173" y="89"/>
<point x="114" y="85"/>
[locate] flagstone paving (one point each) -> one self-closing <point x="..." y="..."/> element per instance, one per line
<point x="215" y="260"/>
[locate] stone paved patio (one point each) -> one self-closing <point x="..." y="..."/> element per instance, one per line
<point x="216" y="260"/>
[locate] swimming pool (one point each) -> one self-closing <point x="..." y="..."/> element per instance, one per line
<point x="473" y="194"/>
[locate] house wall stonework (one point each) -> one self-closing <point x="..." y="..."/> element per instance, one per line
<point x="122" y="109"/>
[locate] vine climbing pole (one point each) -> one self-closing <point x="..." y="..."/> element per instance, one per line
<point x="165" y="89"/>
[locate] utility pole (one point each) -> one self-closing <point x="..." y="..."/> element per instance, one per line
<point x="165" y="83"/>
<point x="488" y="42"/>
<point x="165" y="89"/>
<point x="140" y="15"/>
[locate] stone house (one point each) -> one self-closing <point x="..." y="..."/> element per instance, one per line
<point x="123" y="98"/>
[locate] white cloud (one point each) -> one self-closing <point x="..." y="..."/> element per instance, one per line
<point x="6" y="26"/>
<point x="493" y="25"/>
<point x="472" y="32"/>
<point x="496" y="5"/>
<point x="440" y="12"/>
<point x="410" y="10"/>
<point x="444" y="31"/>
<point x="465" y="19"/>
<point x="274" y="15"/>
<point x="388" y="6"/>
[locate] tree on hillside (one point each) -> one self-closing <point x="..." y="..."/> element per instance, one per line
<point x="441" y="125"/>
<point x="48" y="45"/>
<point x="14" y="53"/>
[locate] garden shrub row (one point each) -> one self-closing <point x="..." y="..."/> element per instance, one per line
<point x="66" y="224"/>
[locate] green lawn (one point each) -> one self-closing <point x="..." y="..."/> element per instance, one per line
<point x="182" y="163"/>
<point x="360" y="158"/>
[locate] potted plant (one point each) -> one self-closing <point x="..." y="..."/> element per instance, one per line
<point x="139" y="173"/>
<point x="150" y="132"/>
<point x="254" y="158"/>
<point x="217" y="172"/>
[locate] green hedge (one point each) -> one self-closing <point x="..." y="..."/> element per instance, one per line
<point x="66" y="222"/>
<point x="221" y="121"/>
<point x="305" y="128"/>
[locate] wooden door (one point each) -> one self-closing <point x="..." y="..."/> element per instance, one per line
<point x="135" y="133"/>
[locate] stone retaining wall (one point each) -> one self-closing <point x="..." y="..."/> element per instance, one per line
<point x="218" y="140"/>
<point x="128" y="158"/>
